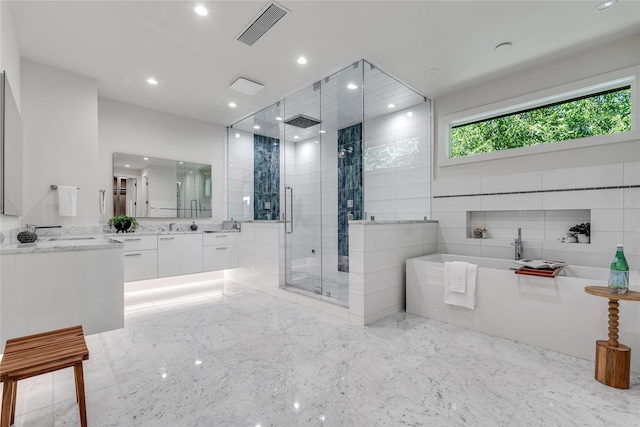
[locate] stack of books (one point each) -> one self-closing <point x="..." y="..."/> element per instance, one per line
<point x="539" y="267"/>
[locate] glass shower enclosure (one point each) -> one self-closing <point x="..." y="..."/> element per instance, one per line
<point x="307" y="161"/>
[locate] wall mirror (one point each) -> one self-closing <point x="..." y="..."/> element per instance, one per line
<point x="10" y="151"/>
<point x="150" y="187"/>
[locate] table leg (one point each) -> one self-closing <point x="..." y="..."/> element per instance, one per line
<point x="7" y="394"/>
<point x="613" y="322"/>
<point x="80" y="390"/>
<point x="14" y="397"/>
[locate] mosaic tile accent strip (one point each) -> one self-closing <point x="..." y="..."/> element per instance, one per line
<point x="555" y="190"/>
<point x="266" y="178"/>
<point x="350" y="195"/>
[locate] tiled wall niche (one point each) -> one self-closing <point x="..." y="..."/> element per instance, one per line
<point x="535" y="225"/>
<point x="611" y="193"/>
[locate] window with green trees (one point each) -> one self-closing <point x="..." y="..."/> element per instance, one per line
<point x="596" y="114"/>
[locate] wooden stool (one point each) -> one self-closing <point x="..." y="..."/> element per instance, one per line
<point x="613" y="360"/>
<point x="40" y="354"/>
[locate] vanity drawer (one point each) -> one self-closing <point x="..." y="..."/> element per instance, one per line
<point x="219" y="257"/>
<point x="140" y="243"/>
<point x="140" y="265"/>
<point x="217" y="239"/>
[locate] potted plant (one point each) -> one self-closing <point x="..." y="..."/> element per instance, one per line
<point x="123" y="223"/>
<point x="582" y="232"/>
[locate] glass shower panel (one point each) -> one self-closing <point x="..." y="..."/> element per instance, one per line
<point x="254" y="154"/>
<point x="397" y="149"/>
<point x="303" y="241"/>
<point x="341" y="174"/>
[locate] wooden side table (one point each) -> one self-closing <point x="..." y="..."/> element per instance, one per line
<point x="613" y="360"/>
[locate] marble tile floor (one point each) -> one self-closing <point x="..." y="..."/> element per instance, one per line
<point x="334" y="285"/>
<point x="221" y="354"/>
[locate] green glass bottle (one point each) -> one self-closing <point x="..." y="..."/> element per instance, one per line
<point x="619" y="276"/>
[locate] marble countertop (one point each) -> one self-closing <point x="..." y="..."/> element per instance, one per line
<point x="59" y="244"/>
<point x="394" y="221"/>
<point x="162" y="233"/>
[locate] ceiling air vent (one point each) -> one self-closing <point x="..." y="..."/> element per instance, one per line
<point x="302" y="121"/>
<point x="266" y="19"/>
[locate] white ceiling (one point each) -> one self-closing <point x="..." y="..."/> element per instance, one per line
<point x="195" y="59"/>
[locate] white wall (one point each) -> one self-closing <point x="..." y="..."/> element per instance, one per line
<point x="60" y="120"/>
<point x="546" y="186"/>
<point x="10" y="63"/>
<point x="582" y="65"/>
<point x="125" y="128"/>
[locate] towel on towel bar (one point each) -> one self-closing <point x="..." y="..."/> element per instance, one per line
<point x="67" y="197"/>
<point x="463" y="299"/>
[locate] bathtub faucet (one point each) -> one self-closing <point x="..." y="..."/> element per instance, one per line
<point x="518" y="245"/>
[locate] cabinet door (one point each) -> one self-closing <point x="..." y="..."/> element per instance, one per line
<point x="140" y="265"/>
<point x="179" y="254"/>
<point x="219" y="257"/>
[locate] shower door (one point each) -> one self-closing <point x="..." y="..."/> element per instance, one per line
<point x="303" y="191"/>
<point x="323" y="182"/>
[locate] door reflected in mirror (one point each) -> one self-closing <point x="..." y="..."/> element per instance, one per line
<point x="150" y="187"/>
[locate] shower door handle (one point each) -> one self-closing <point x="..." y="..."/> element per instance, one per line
<point x="288" y="210"/>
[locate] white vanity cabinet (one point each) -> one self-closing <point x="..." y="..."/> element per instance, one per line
<point x="179" y="254"/>
<point x="140" y="257"/>
<point x="219" y="251"/>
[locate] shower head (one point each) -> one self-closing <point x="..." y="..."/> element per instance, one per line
<point x="302" y="121"/>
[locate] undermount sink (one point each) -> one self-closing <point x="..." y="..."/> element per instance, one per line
<point x="71" y="238"/>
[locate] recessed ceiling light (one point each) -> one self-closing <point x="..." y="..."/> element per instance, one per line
<point x="152" y="81"/>
<point x="323" y="131"/>
<point x="256" y="127"/>
<point x="278" y="118"/>
<point x="190" y="171"/>
<point x="127" y="166"/>
<point x="503" y="47"/>
<point x="296" y="137"/>
<point x="433" y="71"/>
<point x="237" y="135"/>
<point x="201" y="10"/>
<point x="352" y="86"/>
<point x="302" y="60"/>
<point x="232" y="105"/>
<point x="604" y="5"/>
<point x="391" y="105"/>
<point x="409" y="114"/>
<point x="146" y="158"/>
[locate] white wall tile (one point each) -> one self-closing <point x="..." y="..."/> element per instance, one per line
<point x="383" y="279"/>
<point x="379" y="260"/>
<point x="594" y="199"/>
<point x="631" y="173"/>
<point x="588" y="176"/>
<point x="531" y="201"/>
<point x="448" y="187"/>
<point x="607" y="219"/>
<point x="528" y="181"/>
<point x="632" y="198"/>
<point x="457" y="204"/>
<point x="410" y="235"/>
<point x="376" y="239"/>
<point x="631" y="220"/>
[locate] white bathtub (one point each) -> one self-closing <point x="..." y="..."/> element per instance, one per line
<point x="555" y="314"/>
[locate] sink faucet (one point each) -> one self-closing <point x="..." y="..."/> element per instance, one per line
<point x="518" y="245"/>
<point x="171" y="226"/>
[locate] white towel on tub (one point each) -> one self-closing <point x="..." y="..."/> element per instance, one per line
<point x="67" y="197"/>
<point x="463" y="299"/>
<point x="458" y="278"/>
